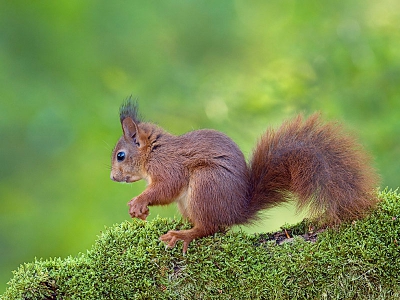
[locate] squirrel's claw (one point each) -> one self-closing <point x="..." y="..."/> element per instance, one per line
<point x="137" y="209"/>
<point x="171" y="237"/>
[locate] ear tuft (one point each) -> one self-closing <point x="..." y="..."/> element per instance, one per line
<point x="129" y="109"/>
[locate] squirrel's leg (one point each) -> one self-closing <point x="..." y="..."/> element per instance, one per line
<point x="172" y="236"/>
<point x="199" y="206"/>
<point x="157" y="193"/>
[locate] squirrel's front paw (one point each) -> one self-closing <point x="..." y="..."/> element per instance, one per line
<point x="138" y="209"/>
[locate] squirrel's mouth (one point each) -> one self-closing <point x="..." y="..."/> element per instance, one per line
<point x="127" y="178"/>
<point x="130" y="179"/>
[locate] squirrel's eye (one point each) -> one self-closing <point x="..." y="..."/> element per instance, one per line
<point x="121" y="156"/>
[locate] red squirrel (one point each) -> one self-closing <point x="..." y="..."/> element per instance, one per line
<point x="205" y="172"/>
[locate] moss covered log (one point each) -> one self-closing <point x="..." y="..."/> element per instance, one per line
<point x="359" y="260"/>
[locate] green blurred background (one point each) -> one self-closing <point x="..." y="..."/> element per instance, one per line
<point x="236" y="66"/>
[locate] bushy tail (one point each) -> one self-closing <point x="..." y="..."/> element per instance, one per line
<point x="325" y="168"/>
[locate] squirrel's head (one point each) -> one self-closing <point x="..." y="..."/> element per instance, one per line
<point x="131" y="152"/>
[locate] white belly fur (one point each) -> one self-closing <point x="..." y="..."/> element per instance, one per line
<point x="183" y="200"/>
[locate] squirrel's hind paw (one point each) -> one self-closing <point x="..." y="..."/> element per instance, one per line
<point x="171" y="237"/>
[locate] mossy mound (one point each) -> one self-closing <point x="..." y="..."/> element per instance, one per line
<point x="360" y="260"/>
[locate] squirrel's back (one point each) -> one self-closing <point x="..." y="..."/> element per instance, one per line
<point x="325" y="168"/>
<point x="219" y="178"/>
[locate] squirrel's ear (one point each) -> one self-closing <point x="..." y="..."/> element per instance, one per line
<point x="131" y="132"/>
<point x="129" y="127"/>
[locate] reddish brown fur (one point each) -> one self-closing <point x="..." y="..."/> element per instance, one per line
<point x="326" y="169"/>
<point x="206" y="174"/>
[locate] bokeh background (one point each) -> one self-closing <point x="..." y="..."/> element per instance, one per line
<point x="236" y="66"/>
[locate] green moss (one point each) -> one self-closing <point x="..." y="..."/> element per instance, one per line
<point x="360" y="260"/>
